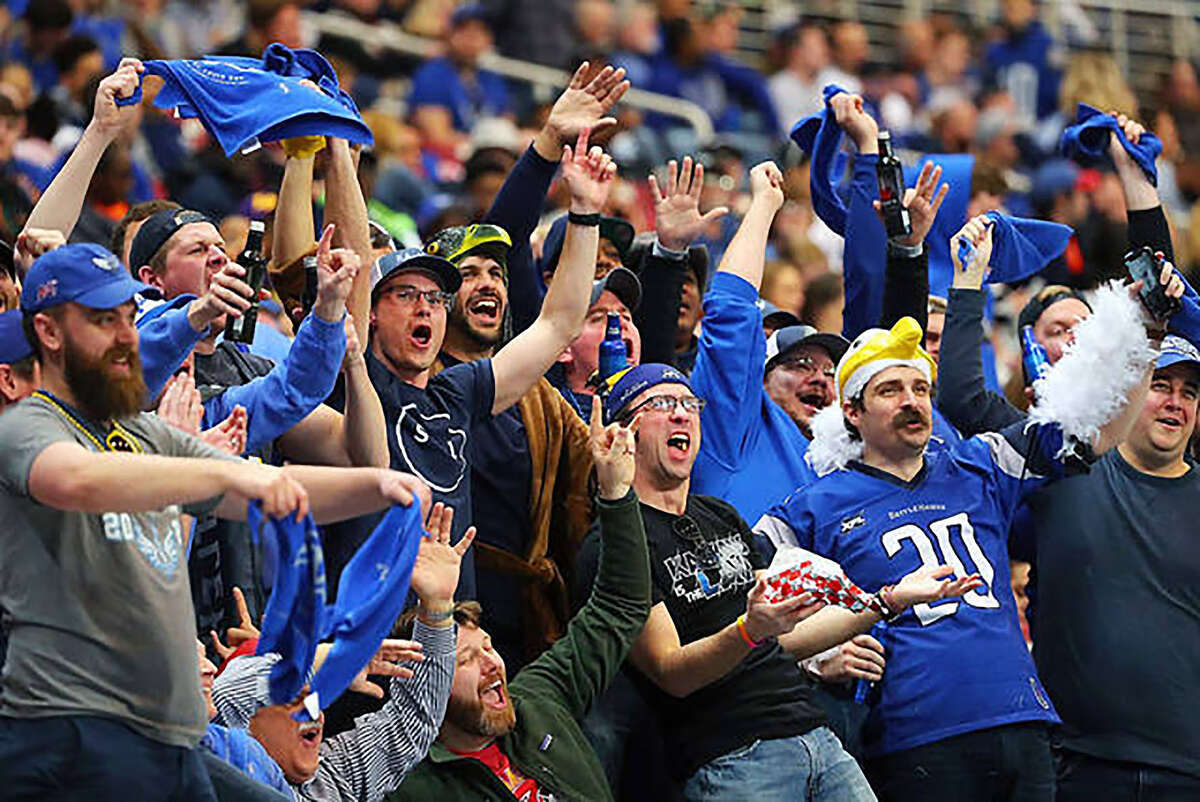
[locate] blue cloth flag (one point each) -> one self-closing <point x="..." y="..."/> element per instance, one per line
<point x="1022" y="247"/>
<point x="820" y="136"/>
<point x="244" y="101"/>
<point x="1087" y="142"/>
<point x="371" y="595"/>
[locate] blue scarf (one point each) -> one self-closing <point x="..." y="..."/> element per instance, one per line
<point x="820" y="136"/>
<point x="1022" y="247"/>
<point x="1087" y="142"/>
<point x="244" y="101"/>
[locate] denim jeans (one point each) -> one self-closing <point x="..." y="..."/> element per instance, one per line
<point x="812" y="767"/>
<point x="1083" y="778"/>
<point x="1010" y="763"/>
<point x="95" y="759"/>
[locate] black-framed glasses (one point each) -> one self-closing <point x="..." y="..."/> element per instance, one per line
<point x="808" y="366"/>
<point x="667" y="403"/>
<point x="408" y="294"/>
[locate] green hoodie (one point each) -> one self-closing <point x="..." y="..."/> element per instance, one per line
<point x="552" y="694"/>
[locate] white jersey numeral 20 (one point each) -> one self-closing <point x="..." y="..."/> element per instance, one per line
<point x="981" y="598"/>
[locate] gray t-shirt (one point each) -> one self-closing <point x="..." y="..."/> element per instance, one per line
<point x="100" y="607"/>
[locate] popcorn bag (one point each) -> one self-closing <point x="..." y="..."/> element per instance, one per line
<point x="795" y="571"/>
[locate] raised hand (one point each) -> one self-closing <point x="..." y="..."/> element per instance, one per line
<point x="677" y="218"/>
<point x="929" y="584"/>
<point x="336" y="269"/>
<point x="236" y="636"/>
<point x="766" y="185"/>
<point x="386" y="663"/>
<point x="32" y="243"/>
<point x="435" y="574"/>
<point x="613" y="455"/>
<point x="770" y="620"/>
<point x="230" y="434"/>
<point x="107" y="117"/>
<point x="354" y="353"/>
<point x="588" y="174"/>
<point x="583" y="106"/>
<point x="978" y="233"/>
<point x="852" y="117"/>
<point x="227" y="294"/>
<point x="858" y="658"/>
<point x="922" y="203"/>
<point x="180" y="404"/>
<point x="1133" y="131"/>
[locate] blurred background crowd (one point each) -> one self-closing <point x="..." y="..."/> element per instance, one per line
<point x="454" y="93"/>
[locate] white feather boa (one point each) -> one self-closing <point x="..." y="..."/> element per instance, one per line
<point x="831" y="447"/>
<point x="1089" y="386"/>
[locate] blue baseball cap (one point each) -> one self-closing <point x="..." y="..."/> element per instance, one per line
<point x="1053" y="178"/>
<point x="629" y="383"/>
<point x="472" y="12"/>
<point x="1175" y="350"/>
<point x="84" y="273"/>
<point x="13" y="345"/>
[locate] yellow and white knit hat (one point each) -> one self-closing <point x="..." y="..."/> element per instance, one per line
<point x="876" y="350"/>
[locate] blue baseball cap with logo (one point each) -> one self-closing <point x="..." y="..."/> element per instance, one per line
<point x="1175" y="350"/>
<point x="86" y="274"/>
<point x="13" y="345"/>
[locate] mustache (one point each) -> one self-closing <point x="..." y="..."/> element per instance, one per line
<point x="906" y="417"/>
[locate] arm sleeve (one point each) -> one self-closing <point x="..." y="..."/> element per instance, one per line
<point x="26" y="432"/>
<point x="242" y="688"/>
<point x="163" y="343"/>
<point x="1021" y="458"/>
<point x="729" y="367"/>
<point x="577" y="669"/>
<point x="516" y="209"/>
<point x="788" y="523"/>
<point x="906" y="289"/>
<point x="1149" y="227"/>
<point x="961" y="395"/>
<point x="865" y="257"/>
<point x="373" y="758"/>
<point x="278" y="401"/>
<point x="658" y="315"/>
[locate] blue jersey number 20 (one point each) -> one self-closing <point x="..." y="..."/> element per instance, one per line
<point x="981" y="598"/>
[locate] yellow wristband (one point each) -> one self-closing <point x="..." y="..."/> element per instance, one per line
<point x="303" y="147"/>
<point x="741" y="626"/>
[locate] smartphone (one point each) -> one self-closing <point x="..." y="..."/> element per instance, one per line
<point x="1144" y="266"/>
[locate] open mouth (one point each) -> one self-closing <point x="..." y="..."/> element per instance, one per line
<point x="813" y="401"/>
<point x="422" y="336"/>
<point x="310" y="732"/>
<point x="1173" y="423"/>
<point x="679" y="444"/>
<point x="486" y="307"/>
<point x="493" y="695"/>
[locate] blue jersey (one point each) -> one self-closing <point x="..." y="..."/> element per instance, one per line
<point x="958" y="665"/>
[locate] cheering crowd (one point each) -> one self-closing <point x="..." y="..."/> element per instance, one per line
<point x="355" y="454"/>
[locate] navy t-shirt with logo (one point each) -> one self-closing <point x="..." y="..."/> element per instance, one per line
<point x="429" y="433"/>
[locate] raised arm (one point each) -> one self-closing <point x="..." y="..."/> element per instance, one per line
<point x="516" y="367"/>
<point x="60" y="204"/>
<point x="906" y="280"/>
<point x="346" y="208"/>
<point x="292" y="234"/>
<point x="746" y="254"/>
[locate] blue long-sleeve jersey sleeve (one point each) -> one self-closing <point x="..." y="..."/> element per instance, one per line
<point x="165" y="338"/>
<point x="278" y="401"/>
<point x="517" y="208"/>
<point x="865" y="257"/>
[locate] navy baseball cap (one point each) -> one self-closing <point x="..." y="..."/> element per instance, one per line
<point x="156" y="230"/>
<point x="1175" y="350"/>
<point x="621" y="282"/>
<point x="440" y="270"/>
<point x="785" y="341"/>
<point x="472" y="12"/>
<point x="13" y="345"/>
<point x="84" y="273"/>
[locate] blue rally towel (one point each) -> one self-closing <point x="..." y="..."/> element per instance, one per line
<point x="1087" y="142"/>
<point x="1022" y="247"/>
<point x="243" y="101"/>
<point x="820" y="136"/>
<point x="371" y="594"/>
<point x="294" y="619"/>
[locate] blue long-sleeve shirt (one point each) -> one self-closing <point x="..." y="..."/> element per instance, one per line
<point x="165" y="338"/>
<point x="295" y="387"/>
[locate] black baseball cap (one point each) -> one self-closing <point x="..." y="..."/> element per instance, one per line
<point x="785" y="341"/>
<point x="440" y="270"/>
<point x="1047" y="297"/>
<point x="155" y="232"/>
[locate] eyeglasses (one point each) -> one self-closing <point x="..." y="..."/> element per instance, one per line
<point x="808" y="366"/>
<point x="668" y="403"/>
<point x="408" y="294"/>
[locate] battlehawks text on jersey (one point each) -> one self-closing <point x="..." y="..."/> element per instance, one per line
<point x="958" y="665"/>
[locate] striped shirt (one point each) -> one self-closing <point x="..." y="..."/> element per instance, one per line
<point x="362" y="764"/>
